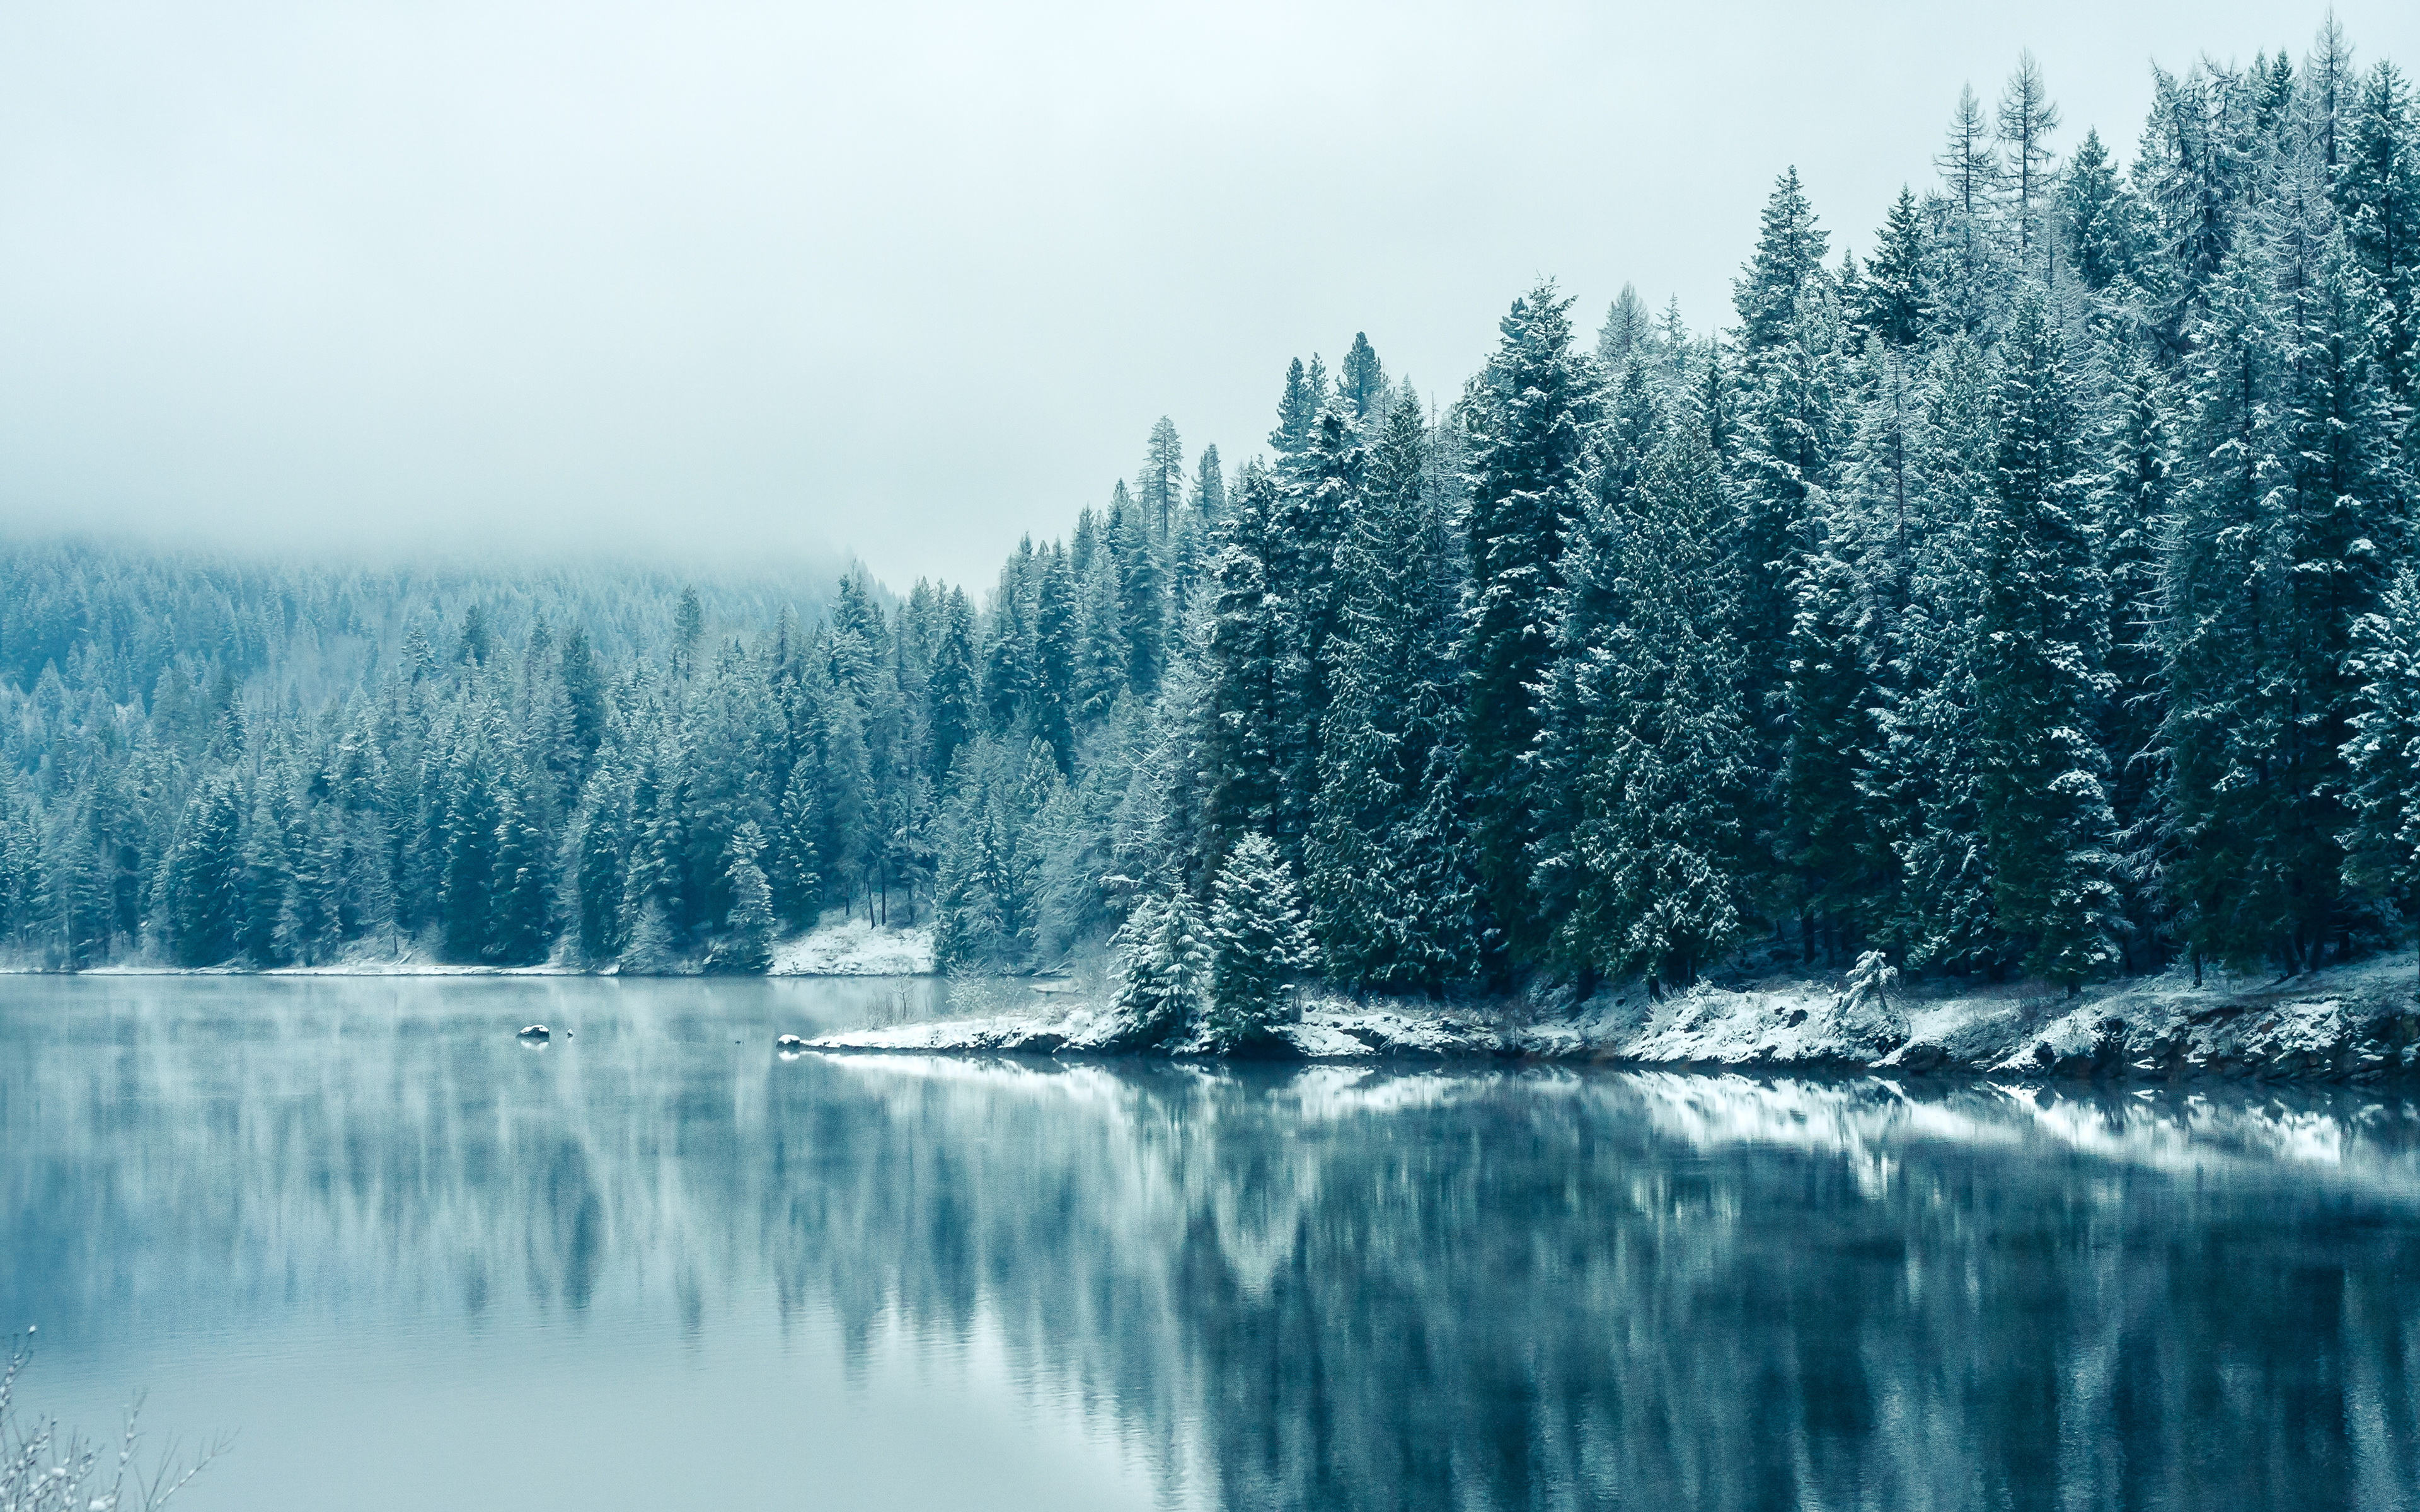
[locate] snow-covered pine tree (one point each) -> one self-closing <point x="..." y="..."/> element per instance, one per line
<point x="1790" y="248"/>
<point x="1298" y="407"/>
<point x="1248" y="661"/>
<point x="1316" y="507"/>
<point x="1101" y="673"/>
<point x="1897" y="305"/>
<point x="521" y="931"/>
<point x="2133" y="502"/>
<point x="1826" y="841"/>
<point x="599" y="838"/>
<point x="1164" y="966"/>
<point x="1159" y="488"/>
<point x="1257" y="944"/>
<point x="1387" y="865"/>
<point x="1921" y="788"/>
<point x="1970" y="263"/>
<point x="2040" y="685"/>
<point x="747" y="943"/>
<point x="2382" y="843"/>
<point x="1794" y="425"/>
<point x="2098" y="217"/>
<point x="1057" y="633"/>
<point x="951" y="692"/>
<point x="199" y="883"/>
<point x="2287" y="537"/>
<point x="1143" y="597"/>
<point x="1527" y="420"/>
<point x="1628" y="333"/>
<point x="2377" y="186"/>
<point x="1658" y="838"/>
<point x="1361" y="381"/>
<point x="467" y="842"/>
<point x="1585" y="611"/>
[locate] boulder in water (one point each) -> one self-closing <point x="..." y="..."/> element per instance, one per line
<point x="535" y="1032"/>
<point x="789" y="1045"/>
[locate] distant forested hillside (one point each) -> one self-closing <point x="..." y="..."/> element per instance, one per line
<point x="2031" y="593"/>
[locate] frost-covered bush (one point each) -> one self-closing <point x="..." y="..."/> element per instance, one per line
<point x="44" y="1470"/>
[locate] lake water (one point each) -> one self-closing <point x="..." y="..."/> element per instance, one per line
<point x="409" y="1263"/>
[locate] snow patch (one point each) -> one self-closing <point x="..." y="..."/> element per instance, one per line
<point x="854" y="948"/>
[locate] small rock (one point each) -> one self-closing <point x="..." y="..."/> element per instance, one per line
<point x="789" y="1045"/>
<point x="1923" y="1055"/>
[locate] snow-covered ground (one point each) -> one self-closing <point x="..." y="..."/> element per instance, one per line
<point x="853" y="947"/>
<point x="2353" y="1021"/>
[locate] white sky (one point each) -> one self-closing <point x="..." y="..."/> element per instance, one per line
<point x="908" y="279"/>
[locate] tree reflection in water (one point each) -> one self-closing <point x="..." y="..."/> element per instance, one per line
<point x="1325" y="1286"/>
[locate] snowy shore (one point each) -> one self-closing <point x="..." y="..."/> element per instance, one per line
<point x="2359" y="1022"/>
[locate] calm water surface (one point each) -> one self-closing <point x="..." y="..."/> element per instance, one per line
<point x="412" y="1263"/>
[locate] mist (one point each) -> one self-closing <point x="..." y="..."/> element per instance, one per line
<point x="769" y="284"/>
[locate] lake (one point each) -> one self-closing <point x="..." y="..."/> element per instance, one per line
<point x="409" y="1262"/>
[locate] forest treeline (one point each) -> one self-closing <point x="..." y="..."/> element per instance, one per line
<point x="2034" y="594"/>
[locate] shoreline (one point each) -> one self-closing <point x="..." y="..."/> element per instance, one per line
<point x="2357" y="1022"/>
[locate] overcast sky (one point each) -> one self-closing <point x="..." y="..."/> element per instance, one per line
<point x="907" y="280"/>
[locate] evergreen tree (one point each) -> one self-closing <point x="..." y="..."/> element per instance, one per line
<point x="2378" y="187"/>
<point x="1895" y="306"/>
<point x="1789" y="249"/>
<point x="266" y="926"/>
<point x="1393" y="889"/>
<point x="1257" y="944"/>
<point x="467" y="841"/>
<point x="584" y="689"/>
<point x="1922" y="788"/>
<point x="792" y="867"/>
<point x="2099" y="217"/>
<point x="1057" y="633"/>
<point x="1528" y="417"/>
<point x="1298" y="407"/>
<point x="951" y="690"/>
<point x="520" y="931"/>
<point x="1628" y="333"/>
<point x="1249" y="663"/>
<point x="1208" y="502"/>
<point x="202" y="877"/>
<point x="599" y="839"/>
<point x="1360" y="381"/>
<point x="1159" y="488"/>
<point x="1658" y="838"/>
<point x="1141" y="600"/>
<point x="2039" y="643"/>
<point x="1826" y="841"/>
<point x="1164" y="966"/>
<point x="2287" y="534"/>
<point x="688" y="632"/>
<point x="747" y="944"/>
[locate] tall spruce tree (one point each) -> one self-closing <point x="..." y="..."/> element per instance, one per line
<point x="1528" y="419"/>
<point x="1257" y="944"/>
<point x="2040" y="684"/>
<point x="1658" y="839"/>
<point x="1392" y="887"/>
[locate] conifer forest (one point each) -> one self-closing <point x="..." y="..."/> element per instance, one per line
<point x="2023" y="586"/>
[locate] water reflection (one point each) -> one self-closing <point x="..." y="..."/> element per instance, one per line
<point x="1327" y="1287"/>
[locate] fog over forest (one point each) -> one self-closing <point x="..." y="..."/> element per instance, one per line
<point x="905" y="283"/>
